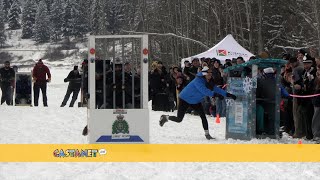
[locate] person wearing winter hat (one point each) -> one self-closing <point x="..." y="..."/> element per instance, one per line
<point x="252" y="58"/>
<point x="307" y="88"/>
<point x="265" y="93"/>
<point x="74" y="79"/>
<point x="302" y="51"/>
<point x="193" y="70"/>
<point x="227" y="64"/>
<point x="41" y="76"/>
<point x="15" y="68"/>
<point x="264" y="55"/>
<point x="297" y="72"/>
<point x="286" y="56"/>
<point x="192" y="95"/>
<point x="186" y="62"/>
<point x="308" y="60"/>
<point x="240" y="60"/>
<point x="218" y="80"/>
<point x="269" y="70"/>
<point x="84" y="62"/>
<point x="269" y="73"/>
<point x="301" y="54"/>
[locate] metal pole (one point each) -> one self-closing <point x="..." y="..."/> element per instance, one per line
<point x="114" y="74"/>
<point x="277" y="99"/>
<point x="139" y="57"/>
<point x="144" y="73"/>
<point x="135" y="54"/>
<point x="123" y="79"/>
<point x="132" y="73"/>
<point x="139" y="65"/>
<point x="91" y="75"/>
<point x="104" y="84"/>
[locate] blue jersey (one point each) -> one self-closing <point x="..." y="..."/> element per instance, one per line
<point x="196" y="90"/>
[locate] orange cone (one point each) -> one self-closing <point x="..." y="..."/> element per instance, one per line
<point x="218" y="118"/>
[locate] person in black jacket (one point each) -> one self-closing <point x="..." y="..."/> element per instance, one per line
<point x="193" y="70"/>
<point x="74" y="79"/>
<point x="84" y="77"/>
<point x="316" y="104"/>
<point x="218" y="81"/>
<point x="307" y="88"/>
<point x="7" y="76"/>
<point x="117" y="89"/>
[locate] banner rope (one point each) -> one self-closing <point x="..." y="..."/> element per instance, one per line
<point x="292" y="95"/>
<point x="306" y="96"/>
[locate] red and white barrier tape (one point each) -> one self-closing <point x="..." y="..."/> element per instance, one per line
<point x="224" y="86"/>
<point x="292" y="95"/>
<point x="306" y="96"/>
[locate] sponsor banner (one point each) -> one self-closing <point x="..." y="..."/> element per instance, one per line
<point x="224" y="52"/>
<point x="159" y="153"/>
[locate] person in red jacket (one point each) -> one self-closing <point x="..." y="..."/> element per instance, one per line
<point x="41" y="75"/>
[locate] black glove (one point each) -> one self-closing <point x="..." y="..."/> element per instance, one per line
<point x="231" y="96"/>
<point x="219" y="96"/>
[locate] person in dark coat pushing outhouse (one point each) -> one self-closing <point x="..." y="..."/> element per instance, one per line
<point x="74" y="79"/>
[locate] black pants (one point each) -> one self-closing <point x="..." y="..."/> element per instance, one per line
<point x="183" y="106"/>
<point x="36" y="91"/>
<point x="307" y="111"/>
<point x="6" y="94"/>
<point x="288" y="118"/>
<point x="75" y="92"/>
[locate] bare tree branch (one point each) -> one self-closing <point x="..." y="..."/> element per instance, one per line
<point x="170" y="34"/>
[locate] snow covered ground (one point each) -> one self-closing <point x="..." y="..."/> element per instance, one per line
<point x="55" y="125"/>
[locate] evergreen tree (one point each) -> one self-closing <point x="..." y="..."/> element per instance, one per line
<point x="56" y="20"/>
<point x="28" y="18"/>
<point x="2" y="28"/>
<point x="41" y="30"/>
<point x="49" y="4"/>
<point x="99" y="21"/>
<point x="85" y="6"/>
<point x="95" y="17"/>
<point x="79" y="20"/>
<point x="115" y="17"/>
<point x="103" y="20"/>
<point x="67" y="21"/>
<point x="13" y="16"/>
<point x="6" y="4"/>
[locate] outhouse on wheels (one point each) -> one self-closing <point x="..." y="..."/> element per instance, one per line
<point x="118" y="89"/>
<point x="256" y="111"/>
